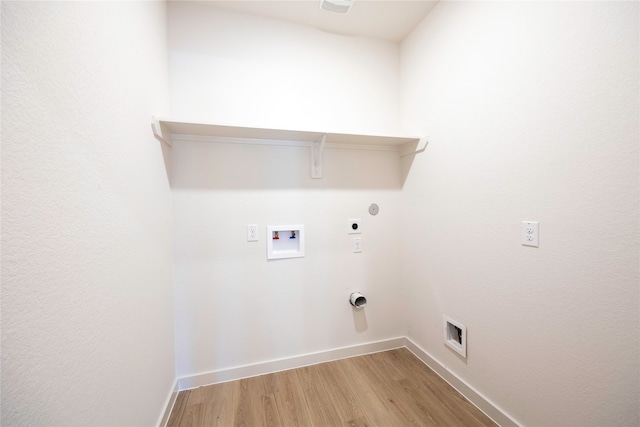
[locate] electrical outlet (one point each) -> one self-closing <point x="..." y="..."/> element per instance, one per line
<point x="530" y="233"/>
<point x="357" y="245"/>
<point x="252" y="233"/>
<point x="355" y="227"/>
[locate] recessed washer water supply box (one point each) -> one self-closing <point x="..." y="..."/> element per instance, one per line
<point x="285" y="241"/>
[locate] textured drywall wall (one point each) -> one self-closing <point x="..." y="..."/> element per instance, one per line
<point x="87" y="330"/>
<point x="532" y="113"/>
<point x="233" y="68"/>
<point x="233" y="307"/>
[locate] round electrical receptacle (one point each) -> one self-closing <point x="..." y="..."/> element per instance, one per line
<point x="374" y="209"/>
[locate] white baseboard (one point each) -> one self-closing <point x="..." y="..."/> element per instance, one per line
<point x="246" y="371"/>
<point x="277" y="365"/>
<point x="168" y="405"/>
<point x="499" y="416"/>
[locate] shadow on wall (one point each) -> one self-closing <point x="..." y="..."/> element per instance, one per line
<point x="360" y="320"/>
<point x="358" y="301"/>
<point x="221" y="166"/>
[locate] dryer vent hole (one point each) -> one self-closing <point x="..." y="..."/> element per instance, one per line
<point x="360" y="301"/>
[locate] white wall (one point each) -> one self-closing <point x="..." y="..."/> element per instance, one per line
<point x="233" y="68"/>
<point x="532" y="112"/>
<point x="233" y="307"/>
<point x="87" y="332"/>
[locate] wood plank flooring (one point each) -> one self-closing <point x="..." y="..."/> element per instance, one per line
<point x="391" y="388"/>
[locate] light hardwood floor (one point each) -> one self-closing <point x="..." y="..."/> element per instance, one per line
<point x="391" y="388"/>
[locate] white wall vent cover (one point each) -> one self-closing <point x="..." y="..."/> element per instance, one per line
<point x="338" y="6"/>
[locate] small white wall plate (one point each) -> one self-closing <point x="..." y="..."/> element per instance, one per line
<point x="354" y="226"/>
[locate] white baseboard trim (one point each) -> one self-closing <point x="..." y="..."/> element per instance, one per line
<point x="284" y="364"/>
<point x="499" y="416"/>
<point x="168" y="405"/>
<point x="246" y="371"/>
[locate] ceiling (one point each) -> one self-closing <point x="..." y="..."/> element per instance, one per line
<point x="389" y="20"/>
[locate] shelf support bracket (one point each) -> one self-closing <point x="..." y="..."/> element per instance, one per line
<point x="414" y="147"/>
<point x="317" y="150"/>
<point x="160" y="131"/>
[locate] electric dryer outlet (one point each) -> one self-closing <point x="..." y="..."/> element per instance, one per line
<point x="355" y="226"/>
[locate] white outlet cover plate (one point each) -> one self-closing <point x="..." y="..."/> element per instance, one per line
<point x="350" y="225"/>
<point x="357" y="245"/>
<point x="530" y="233"/>
<point x="252" y="233"/>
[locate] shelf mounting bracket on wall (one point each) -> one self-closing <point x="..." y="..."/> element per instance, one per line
<point x="317" y="150"/>
<point x="414" y="147"/>
<point x="160" y="131"/>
